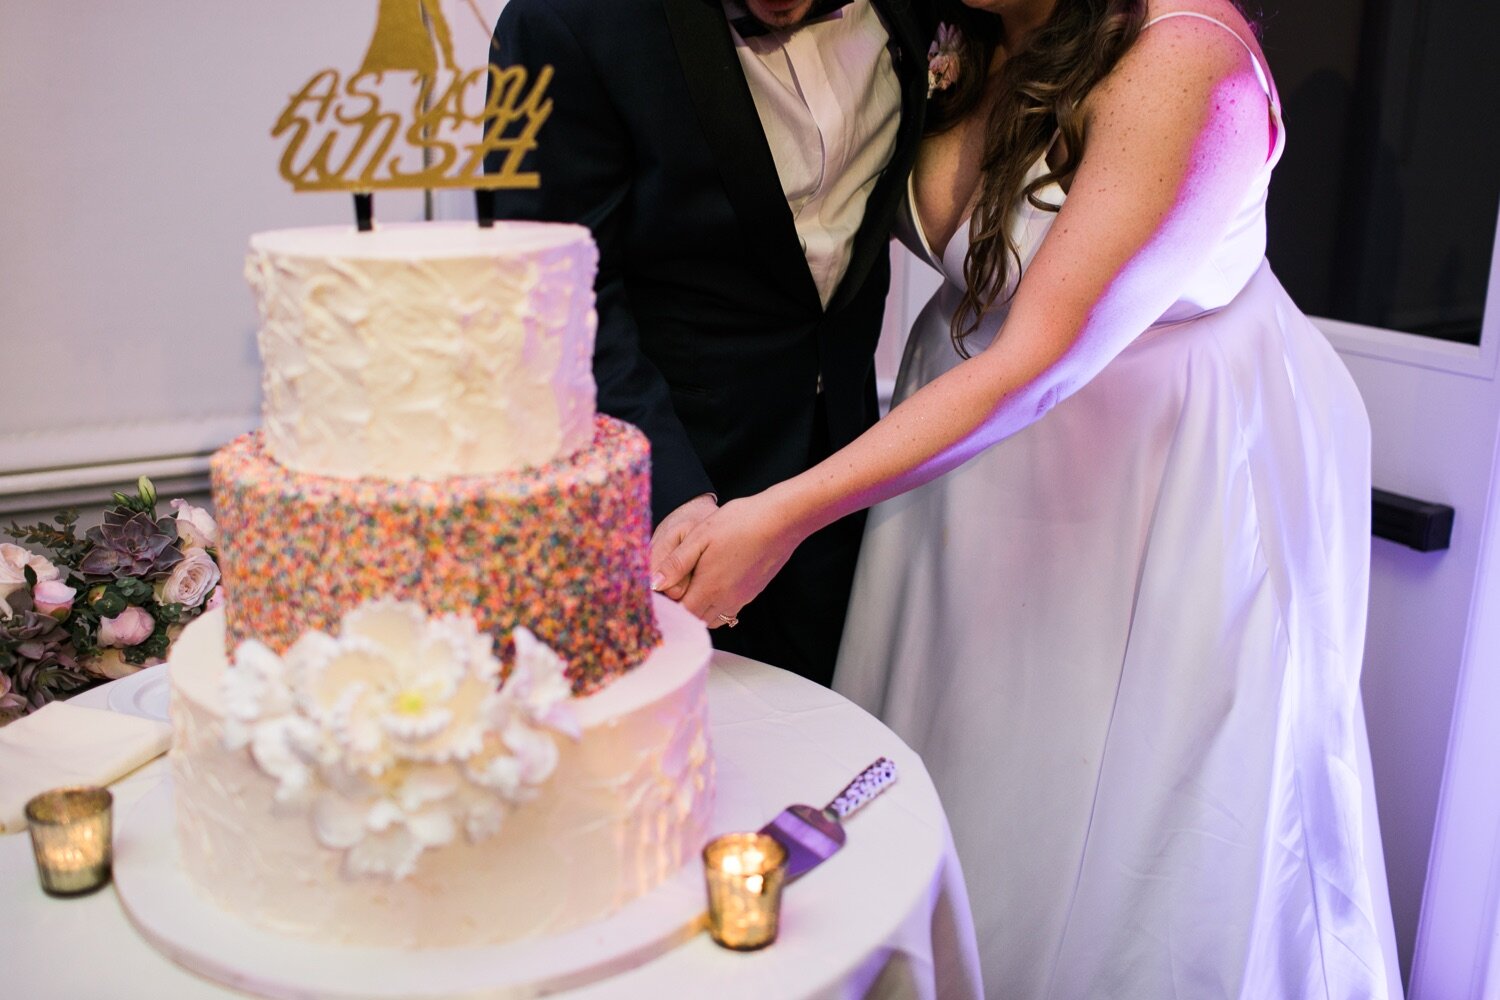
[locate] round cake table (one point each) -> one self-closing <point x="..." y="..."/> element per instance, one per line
<point x="885" y="917"/>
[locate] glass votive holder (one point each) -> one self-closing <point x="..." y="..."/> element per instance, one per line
<point x="745" y="873"/>
<point x="70" y="836"/>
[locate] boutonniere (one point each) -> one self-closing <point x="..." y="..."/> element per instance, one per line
<point x="942" y="59"/>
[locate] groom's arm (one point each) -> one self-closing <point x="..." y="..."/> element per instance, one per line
<point x="584" y="158"/>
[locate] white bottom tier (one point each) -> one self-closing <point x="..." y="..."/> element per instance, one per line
<point x="203" y="937"/>
<point x="628" y="805"/>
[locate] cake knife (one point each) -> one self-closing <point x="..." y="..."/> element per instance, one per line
<point x="811" y="836"/>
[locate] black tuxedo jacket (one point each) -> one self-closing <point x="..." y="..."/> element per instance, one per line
<point x="712" y="337"/>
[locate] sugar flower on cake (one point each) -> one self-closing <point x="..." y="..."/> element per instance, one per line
<point x="260" y="714"/>
<point x="397" y="686"/>
<point x="384" y="825"/>
<point x="538" y="685"/>
<point x="397" y="734"/>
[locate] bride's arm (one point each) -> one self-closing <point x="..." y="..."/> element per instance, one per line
<point x="1173" y="138"/>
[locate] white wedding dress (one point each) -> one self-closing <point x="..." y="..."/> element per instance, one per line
<point x="1126" y="642"/>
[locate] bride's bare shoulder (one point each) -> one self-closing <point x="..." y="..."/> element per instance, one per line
<point x="1184" y="73"/>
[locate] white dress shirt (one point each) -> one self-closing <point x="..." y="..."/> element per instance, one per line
<point x="830" y="103"/>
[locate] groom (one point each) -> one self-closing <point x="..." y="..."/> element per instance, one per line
<point x="740" y="163"/>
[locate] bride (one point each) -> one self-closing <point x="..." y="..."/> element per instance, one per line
<point x="1114" y="588"/>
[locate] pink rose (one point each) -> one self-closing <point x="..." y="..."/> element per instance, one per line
<point x="195" y="526"/>
<point x="130" y="627"/>
<point x="14" y="561"/>
<point x="191" y="579"/>
<point x="53" y="597"/>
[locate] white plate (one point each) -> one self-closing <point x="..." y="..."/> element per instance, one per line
<point x="144" y="693"/>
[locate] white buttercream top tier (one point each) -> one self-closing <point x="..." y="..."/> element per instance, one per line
<point x="425" y="350"/>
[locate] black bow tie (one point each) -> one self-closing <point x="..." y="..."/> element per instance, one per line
<point x="748" y="27"/>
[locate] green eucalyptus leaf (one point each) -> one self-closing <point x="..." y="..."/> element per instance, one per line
<point x="133" y="589"/>
<point x="156" y="644"/>
<point x="109" y="603"/>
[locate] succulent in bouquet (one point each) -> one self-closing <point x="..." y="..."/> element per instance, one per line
<point x="75" y="609"/>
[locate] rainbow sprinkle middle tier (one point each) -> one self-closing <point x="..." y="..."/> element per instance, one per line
<point x="561" y="549"/>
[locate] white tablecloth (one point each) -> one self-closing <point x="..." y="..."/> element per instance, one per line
<point x="886" y="917"/>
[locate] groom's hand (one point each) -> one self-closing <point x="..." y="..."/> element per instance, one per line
<point x="667" y="576"/>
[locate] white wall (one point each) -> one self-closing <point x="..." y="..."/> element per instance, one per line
<point x="136" y="160"/>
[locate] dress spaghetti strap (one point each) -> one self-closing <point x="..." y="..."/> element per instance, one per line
<point x="1260" y="71"/>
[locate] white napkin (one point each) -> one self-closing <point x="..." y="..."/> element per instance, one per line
<point x="62" y="744"/>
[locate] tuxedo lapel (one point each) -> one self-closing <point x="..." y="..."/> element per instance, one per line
<point x="906" y="32"/>
<point x="731" y="125"/>
<point x="909" y="57"/>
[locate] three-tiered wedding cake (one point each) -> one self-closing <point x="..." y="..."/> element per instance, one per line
<point x="442" y="707"/>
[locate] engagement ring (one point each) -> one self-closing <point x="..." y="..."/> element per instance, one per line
<point x="729" y="620"/>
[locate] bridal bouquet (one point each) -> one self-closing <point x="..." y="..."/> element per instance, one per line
<point x="75" y="610"/>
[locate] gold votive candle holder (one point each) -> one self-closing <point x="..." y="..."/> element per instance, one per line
<point x="70" y="836"/>
<point x="745" y="873"/>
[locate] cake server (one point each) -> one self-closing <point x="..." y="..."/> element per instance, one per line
<point x="811" y="836"/>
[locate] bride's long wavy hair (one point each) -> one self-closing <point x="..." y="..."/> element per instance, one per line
<point x="1040" y="95"/>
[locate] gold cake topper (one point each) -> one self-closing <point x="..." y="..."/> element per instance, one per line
<point x="366" y="133"/>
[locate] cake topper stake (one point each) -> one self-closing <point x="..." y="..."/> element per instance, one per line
<point x="348" y="134"/>
<point x="364" y="211"/>
<point x="484" y="207"/>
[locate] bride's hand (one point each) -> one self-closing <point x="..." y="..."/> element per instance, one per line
<point x="729" y="558"/>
